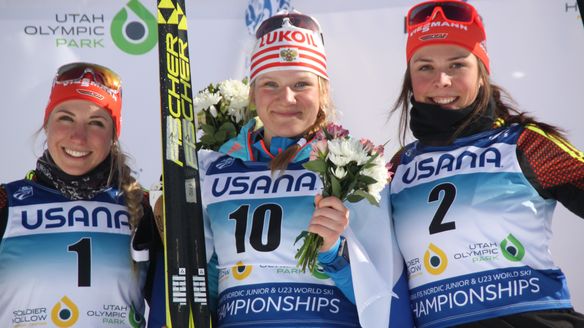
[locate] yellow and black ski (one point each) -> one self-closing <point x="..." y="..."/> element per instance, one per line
<point x="184" y="241"/>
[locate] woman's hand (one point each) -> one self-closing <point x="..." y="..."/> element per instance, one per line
<point x="329" y="220"/>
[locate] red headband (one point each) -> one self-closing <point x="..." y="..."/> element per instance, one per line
<point x="440" y="29"/>
<point x="86" y="88"/>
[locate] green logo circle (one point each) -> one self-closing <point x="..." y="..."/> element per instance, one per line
<point x="134" y="37"/>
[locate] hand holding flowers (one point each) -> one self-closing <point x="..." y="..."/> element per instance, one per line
<point x="329" y="220"/>
<point x="350" y="170"/>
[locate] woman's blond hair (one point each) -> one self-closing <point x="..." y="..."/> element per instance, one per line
<point x="131" y="189"/>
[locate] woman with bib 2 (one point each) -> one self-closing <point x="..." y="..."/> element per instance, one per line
<point x="473" y="197"/>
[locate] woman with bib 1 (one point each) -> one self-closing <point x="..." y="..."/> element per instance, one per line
<point x="76" y="232"/>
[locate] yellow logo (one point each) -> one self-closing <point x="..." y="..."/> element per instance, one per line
<point x="169" y="14"/>
<point x="240" y="271"/>
<point x="65" y="313"/>
<point x="435" y="260"/>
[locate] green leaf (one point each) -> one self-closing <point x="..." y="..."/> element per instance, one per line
<point x="208" y="129"/>
<point x="300" y="236"/>
<point x="367" y="196"/>
<point x="354" y="198"/>
<point x="367" y="179"/>
<point x="317" y="165"/>
<point x="351" y="185"/>
<point x="228" y="127"/>
<point x="221" y="135"/>
<point x="208" y="139"/>
<point x="336" y="186"/>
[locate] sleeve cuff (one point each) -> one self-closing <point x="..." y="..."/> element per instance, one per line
<point x="330" y="255"/>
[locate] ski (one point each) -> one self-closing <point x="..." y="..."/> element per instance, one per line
<point x="581" y="8"/>
<point x="184" y="241"/>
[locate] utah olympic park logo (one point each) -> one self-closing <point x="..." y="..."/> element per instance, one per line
<point x="133" y="28"/>
<point x="135" y="35"/>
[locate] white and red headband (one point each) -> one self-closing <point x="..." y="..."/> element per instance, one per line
<point x="289" y="48"/>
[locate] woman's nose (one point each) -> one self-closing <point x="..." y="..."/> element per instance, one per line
<point x="79" y="132"/>
<point x="288" y="95"/>
<point x="443" y="80"/>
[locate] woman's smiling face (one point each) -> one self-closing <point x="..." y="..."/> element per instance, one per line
<point x="79" y="136"/>
<point x="445" y="75"/>
<point x="287" y="102"/>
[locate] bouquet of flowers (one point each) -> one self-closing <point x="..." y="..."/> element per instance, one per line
<point x="350" y="169"/>
<point x="222" y="109"/>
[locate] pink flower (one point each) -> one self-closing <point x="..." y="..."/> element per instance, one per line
<point x="388" y="166"/>
<point x="319" y="135"/>
<point x="319" y="149"/>
<point x="379" y="150"/>
<point x="336" y="131"/>
<point x="368" y="145"/>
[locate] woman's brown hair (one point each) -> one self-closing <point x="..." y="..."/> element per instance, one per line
<point x="504" y="109"/>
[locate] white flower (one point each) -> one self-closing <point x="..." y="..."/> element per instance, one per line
<point x="204" y="100"/>
<point x="359" y="152"/>
<point x="375" y="194"/>
<point x="343" y="151"/>
<point x="213" y="111"/>
<point x="237" y="114"/>
<point x="339" y="152"/>
<point x="235" y="92"/>
<point x="239" y="103"/>
<point x="221" y="107"/>
<point x="378" y="172"/>
<point x="339" y="172"/>
<point x="346" y="159"/>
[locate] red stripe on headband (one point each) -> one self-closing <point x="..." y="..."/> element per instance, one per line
<point x="276" y="56"/>
<point x="314" y="59"/>
<point x="263" y="59"/>
<point x="301" y="64"/>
